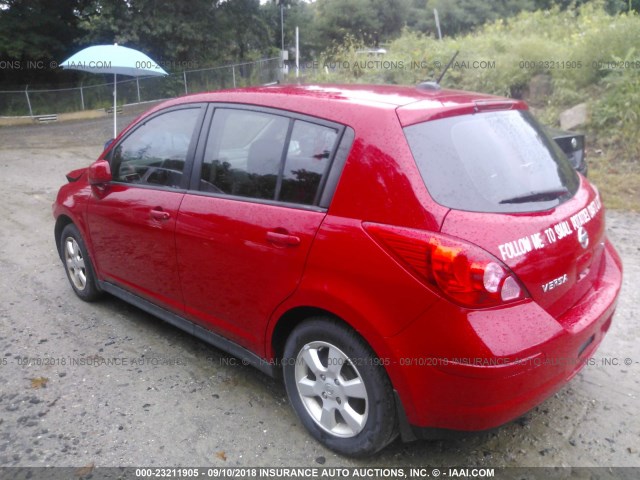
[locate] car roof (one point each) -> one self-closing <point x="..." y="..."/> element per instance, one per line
<point x="342" y="102"/>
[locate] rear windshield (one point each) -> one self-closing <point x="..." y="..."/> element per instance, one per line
<point x="491" y="162"/>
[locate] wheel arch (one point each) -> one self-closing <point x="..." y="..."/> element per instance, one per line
<point x="292" y="317"/>
<point x="61" y="222"/>
<point x="393" y="419"/>
<point x="288" y="322"/>
<point x="64" y="217"/>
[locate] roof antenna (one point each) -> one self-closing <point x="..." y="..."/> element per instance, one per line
<point x="436" y="85"/>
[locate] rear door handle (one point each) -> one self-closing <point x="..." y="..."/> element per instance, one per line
<point x="159" y="214"/>
<point x="283" y="239"/>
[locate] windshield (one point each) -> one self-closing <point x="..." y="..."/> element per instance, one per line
<point x="491" y="162"/>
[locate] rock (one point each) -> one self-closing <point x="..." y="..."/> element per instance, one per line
<point x="574" y="117"/>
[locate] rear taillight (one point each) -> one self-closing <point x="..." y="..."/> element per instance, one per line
<point x="467" y="274"/>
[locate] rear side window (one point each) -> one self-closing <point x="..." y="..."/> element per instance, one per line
<point x="266" y="156"/>
<point x="307" y="161"/>
<point x="491" y="162"/>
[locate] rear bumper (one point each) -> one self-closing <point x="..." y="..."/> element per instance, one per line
<point x="477" y="370"/>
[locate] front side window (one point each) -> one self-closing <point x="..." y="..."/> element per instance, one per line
<point x="156" y="152"/>
<point x="491" y="162"/>
<point x="266" y="156"/>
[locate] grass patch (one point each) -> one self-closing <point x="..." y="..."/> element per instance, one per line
<point x="618" y="182"/>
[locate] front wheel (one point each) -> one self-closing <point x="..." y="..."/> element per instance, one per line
<point x="73" y="253"/>
<point x="337" y="387"/>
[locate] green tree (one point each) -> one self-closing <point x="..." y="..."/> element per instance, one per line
<point x="297" y="13"/>
<point x="244" y="28"/>
<point x="202" y="32"/>
<point x="611" y="6"/>
<point x="461" y="16"/>
<point x="169" y="31"/>
<point x="36" y="30"/>
<point x="368" y="21"/>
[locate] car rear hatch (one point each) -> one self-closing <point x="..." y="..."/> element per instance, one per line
<point x="555" y="255"/>
<point x="515" y="195"/>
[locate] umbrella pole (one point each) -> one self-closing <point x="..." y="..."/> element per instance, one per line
<point x="115" y="127"/>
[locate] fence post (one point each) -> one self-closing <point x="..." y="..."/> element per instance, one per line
<point x="26" y="92"/>
<point x="82" y="94"/>
<point x="233" y="73"/>
<point x="138" y="87"/>
<point x="297" y="52"/>
<point x="184" y="75"/>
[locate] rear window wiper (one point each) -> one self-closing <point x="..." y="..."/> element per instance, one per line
<point x="542" y="196"/>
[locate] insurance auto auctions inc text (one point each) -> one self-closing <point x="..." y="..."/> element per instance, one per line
<point x="377" y="64"/>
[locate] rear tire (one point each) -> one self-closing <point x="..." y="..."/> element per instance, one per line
<point x="338" y="388"/>
<point x="78" y="266"/>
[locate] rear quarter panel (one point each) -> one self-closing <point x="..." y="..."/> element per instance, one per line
<point x="348" y="273"/>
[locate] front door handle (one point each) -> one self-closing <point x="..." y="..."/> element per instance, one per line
<point x="159" y="214"/>
<point x="283" y="239"/>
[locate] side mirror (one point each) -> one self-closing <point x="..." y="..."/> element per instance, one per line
<point x="99" y="173"/>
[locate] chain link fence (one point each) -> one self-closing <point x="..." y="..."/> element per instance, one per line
<point x="39" y="102"/>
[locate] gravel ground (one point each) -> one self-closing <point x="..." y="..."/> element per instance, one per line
<point x="180" y="402"/>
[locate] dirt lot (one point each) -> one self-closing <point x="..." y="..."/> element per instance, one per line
<point x="179" y="402"/>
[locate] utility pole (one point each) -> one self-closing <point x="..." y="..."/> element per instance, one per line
<point x="281" y="2"/>
<point x="435" y="14"/>
<point x="284" y="55"/>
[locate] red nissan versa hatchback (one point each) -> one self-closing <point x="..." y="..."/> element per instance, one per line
<point x="408" y="259"/>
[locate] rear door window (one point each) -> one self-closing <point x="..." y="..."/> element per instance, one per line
<point x="267" y="156"/>
<point x="244" y="152"/>
<point x="491" y="162"/>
